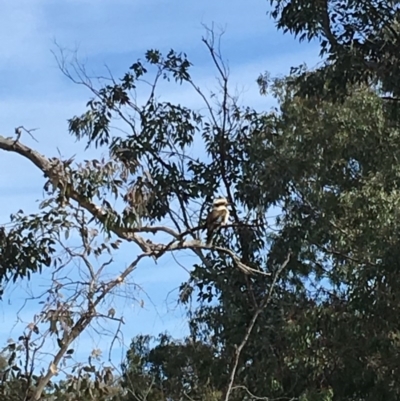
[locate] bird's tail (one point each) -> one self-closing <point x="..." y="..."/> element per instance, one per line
<point x="209" y="237"/>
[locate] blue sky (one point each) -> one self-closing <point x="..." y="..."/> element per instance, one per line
<point x="35" y="94"/>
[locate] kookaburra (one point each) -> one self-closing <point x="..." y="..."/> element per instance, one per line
<point x="218" y="216"/>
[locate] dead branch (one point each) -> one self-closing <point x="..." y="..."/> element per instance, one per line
<point x="82" y="323"/>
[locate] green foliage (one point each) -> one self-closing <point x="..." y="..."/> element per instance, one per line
<point x="171" y="370"/>
<point x="23" y="250"/>
<point x="159" y="131"/>
<point x="360" y="40"/>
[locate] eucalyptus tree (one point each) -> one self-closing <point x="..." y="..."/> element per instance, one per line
<point x="149" y="191"/>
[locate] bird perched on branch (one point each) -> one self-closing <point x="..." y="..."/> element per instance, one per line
<point x="217" y="217"/>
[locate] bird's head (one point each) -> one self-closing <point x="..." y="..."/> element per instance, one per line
<point x="220" y="202"/>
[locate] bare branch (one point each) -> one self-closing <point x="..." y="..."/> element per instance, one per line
<point x="129" y="234"/>
<point x="251" y="394"/>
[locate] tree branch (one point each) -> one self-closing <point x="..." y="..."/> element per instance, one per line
<point x="130" y="234"/>
<point x="262" y="305"/>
